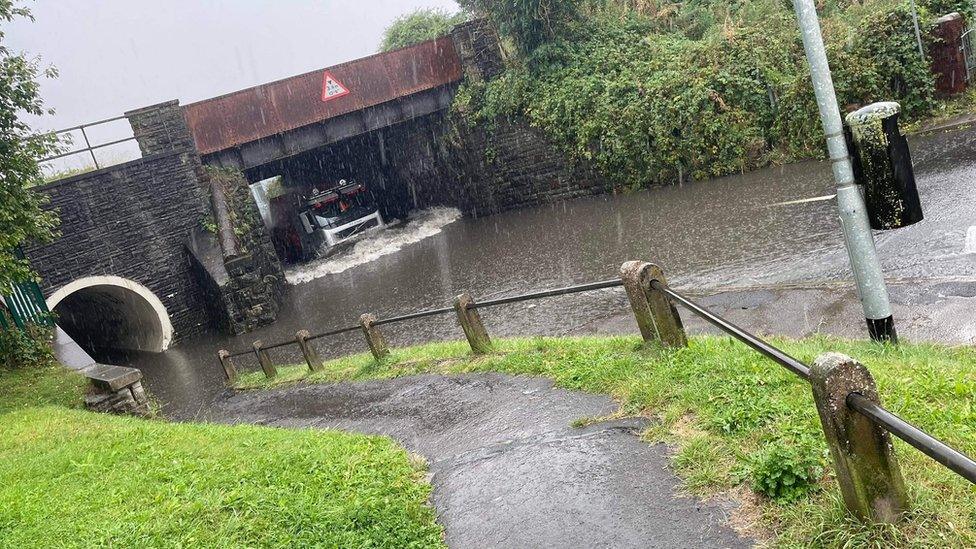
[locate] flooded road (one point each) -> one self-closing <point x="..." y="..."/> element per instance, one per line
<point x="710" y="235"/>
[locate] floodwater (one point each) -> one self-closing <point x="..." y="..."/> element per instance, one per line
<point x="710" y="235"/>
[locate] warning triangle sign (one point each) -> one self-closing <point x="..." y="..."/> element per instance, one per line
<point x="332" y="88"/>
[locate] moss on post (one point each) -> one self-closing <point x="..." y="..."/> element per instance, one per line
<point x="864" y="459"/>
<point x="230" y="371"/>
<point x="309" y="352"/>
<point x="470" y="321"/>
<point x="265" y="359"/>
<point x="374" y="339"/>
<point x="657" y="318"/>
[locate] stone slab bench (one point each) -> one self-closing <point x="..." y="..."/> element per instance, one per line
<point x="114" y="389"/>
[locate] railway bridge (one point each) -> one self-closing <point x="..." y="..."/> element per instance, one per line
<point x="133" y="254"/>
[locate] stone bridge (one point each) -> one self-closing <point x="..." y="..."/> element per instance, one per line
<point x="132" y="252"/>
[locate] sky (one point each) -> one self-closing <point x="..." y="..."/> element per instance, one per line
<point x="116" y="55"/>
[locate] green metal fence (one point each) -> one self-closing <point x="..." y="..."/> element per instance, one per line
<point x="23" y="304"/>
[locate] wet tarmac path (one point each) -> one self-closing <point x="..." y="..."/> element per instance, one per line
<point x="507" y="467"/>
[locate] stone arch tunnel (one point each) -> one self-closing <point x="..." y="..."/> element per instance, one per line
<point x="131" y="317"/>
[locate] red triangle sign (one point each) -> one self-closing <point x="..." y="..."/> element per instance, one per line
<point x="332" y="88"/>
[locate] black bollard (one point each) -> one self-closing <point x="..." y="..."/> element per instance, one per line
<point x="882" y="164"/>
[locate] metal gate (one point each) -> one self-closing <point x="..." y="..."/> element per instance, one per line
<point x="969" y="52"/>
<point x="24" y="304"/>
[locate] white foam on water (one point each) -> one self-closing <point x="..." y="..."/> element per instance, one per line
<point x="422" y="225"/>
<point x="971" y="240"/>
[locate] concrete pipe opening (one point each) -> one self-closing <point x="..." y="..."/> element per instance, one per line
<point x="112" y="313"/>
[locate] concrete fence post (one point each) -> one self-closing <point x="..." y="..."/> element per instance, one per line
<point x="474" y="329"/>
<point x="375" y="339"/>
<point x="308" y="351"/>
<point x="265" y="359"/>
<point x="656" y="316"/>
<point x="864" y="459"/>
<point x="230" y="371"/>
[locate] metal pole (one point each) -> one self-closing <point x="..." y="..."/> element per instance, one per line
<point x="918" y="33"/>
<point x="853" y="215"/>
<point x="87" y="144"/>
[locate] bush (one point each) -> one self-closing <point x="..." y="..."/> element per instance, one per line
<point x="419" y="26"/>
<point x="22" y="349"/>
<point x="648" y="105"/>
<point x="786" y="471"/>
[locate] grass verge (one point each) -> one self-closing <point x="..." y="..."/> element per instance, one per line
<point x="72" y="478"/>
<point x="739" y="423"/>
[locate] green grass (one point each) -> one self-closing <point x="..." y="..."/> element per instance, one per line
<point x="72" y="478"/>
<point x="726" y="410"/>
<point x="50" y="384"/>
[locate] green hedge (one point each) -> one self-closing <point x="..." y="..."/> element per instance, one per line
<point x="647" y="104"/>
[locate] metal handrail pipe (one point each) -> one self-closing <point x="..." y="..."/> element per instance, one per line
<point x="88" y="149"/>
<point x="764" y="348"/>
<point x="548" y="293"/>
<point x="953" y="459"/>
<point x="88" y="125"/>
<point x="412" y="316"/>
<point x="279" y="344"/>
<point x="333" y="332"/>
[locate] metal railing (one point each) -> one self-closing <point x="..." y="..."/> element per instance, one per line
<point x="89" y="148"/>
<point x="924" y="442"/>
<point x="443" y="310"/>
<point x="942" y="453"/>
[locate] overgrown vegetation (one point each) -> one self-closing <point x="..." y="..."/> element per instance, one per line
<point x="419" y="26"/>
<point x="244" y="215"/>
<point x="737" y="420"/>
<point x="21" y="216"/>
<point x="25" y="348"/>
<point x="658" y="92"/>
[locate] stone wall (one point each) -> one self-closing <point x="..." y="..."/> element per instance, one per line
<point x="243" y="285"/>
<point x="161" y="128"/>
<point x="948" y="60"/>
<point x="507" y="164"/>
<point x="131" y="221"/>
<point x="513" y="165"/>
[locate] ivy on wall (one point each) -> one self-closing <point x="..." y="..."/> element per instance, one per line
<point x="654" y="96"/>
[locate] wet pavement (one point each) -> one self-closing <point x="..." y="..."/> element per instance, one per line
<point x="507" y="467"/>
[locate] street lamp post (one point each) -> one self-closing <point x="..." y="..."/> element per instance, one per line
<point x="853" y="214"/>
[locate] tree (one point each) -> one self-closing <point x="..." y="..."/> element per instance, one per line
<point x="22" y="218"/>
<point x="418" y="26"/>
<point x="529" y="23"/>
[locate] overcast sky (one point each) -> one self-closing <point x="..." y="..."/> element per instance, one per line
<point x="116" y="55"/>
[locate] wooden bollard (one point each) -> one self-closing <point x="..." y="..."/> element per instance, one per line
<point x="864" y="459"/>
<point x="265" y="359"/>
<point x="470" y="321"/>
<point x="656" y="315"/>
<point x="309" y="352"/>
<point x="374" y="339"/>
<point x="230" y="372"/>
